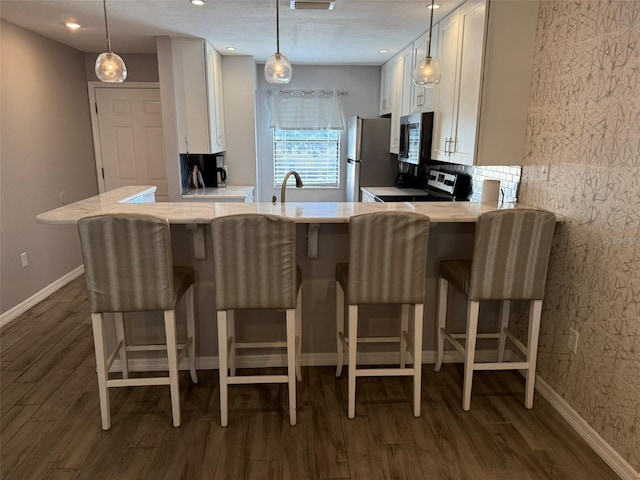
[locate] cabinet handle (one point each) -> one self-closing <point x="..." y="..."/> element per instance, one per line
<point x="452" y="148"/>
<point x="446" y="146"/>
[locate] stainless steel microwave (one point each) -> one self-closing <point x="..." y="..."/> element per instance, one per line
<point x="415" y="138"/>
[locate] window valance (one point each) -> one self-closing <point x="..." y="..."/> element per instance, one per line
<point x="305" y="110"/>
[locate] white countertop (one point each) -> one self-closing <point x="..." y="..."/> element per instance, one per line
<point x="395" y="191"/>
<point x="228" y="192"/>
<point x="301" y="212"/>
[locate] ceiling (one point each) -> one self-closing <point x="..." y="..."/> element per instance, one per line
<point x="353" y="33"/>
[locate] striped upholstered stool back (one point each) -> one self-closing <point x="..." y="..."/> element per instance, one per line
<point x="511" y="254"/>
<point x="128" y="263"/>
<point x="255" y="262"/>
<point x="387" y="258"/>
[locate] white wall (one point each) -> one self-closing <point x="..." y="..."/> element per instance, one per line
<point x="47" y="158"/>
<point x="363" y="86"/>
<point x="239" y="94"/>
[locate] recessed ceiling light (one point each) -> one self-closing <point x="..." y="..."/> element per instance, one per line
<point x="435" y="6"/>
<point x="384" y="50"/>
<point x="197" y="3"/>
<point x="231" y="49"/>
<point x="72" y="25"/>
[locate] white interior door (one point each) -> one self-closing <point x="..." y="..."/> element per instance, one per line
<point x="130" y="147"/>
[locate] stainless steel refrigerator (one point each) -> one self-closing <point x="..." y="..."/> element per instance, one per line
<point x="369" y="163"/>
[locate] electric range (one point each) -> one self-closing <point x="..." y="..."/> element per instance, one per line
<point x="441" y="186"/>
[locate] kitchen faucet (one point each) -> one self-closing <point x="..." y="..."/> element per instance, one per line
<point x="283" y="189"/>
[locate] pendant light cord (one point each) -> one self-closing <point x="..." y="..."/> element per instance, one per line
<point x="106" y="26"/>
<point x="430" y="30"/>
<point x="277" y="26"/>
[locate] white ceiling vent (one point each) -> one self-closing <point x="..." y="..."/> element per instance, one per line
<point x="312" y="5"/>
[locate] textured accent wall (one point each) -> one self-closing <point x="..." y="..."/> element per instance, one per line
<point x="584" y="121"/>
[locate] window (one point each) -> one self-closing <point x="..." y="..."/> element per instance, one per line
<point x="314" y="154"/>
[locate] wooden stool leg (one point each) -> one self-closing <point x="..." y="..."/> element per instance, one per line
<point x="352" y="319"/>
<point x="470" y="352"/>
<point x="291" y="363"/>
<point x="222" y="365"/>
<point x="231" y="341"/>
<point x="191" y="334"/>
<point x="298" y="335"/>
<point x="504" y="325"/>
<point x="172" y="357"/>
<point x="97" y="322"/>
<point x="404" y="327"/>
<point x="442" y="319"/>
<point x="417" y="314"/>
<point x="340" y="307"/>
<point x="535" y="311"/>
<point x="120" y="336"/>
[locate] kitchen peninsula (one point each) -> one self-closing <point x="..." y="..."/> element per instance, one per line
<point x="451" y="236"/>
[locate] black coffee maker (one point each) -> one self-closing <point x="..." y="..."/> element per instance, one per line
<point x="405" y="178"/>
<point x="221" y="172"/>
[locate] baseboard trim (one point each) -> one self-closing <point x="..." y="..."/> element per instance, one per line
<point x="36" y="298"/>
<point x="619" y="465"/>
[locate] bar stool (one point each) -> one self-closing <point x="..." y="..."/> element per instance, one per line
<point x="387" y="264"/>
<point x="255" y="268"/>
<point x="510" y="259"/>
<point x="129" y="268"/>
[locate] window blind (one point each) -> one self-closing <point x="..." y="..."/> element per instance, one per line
<point x="314" y="154"/>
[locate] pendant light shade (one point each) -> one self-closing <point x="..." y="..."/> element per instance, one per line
<point x="427" y="72"/>
<point x="277" y="69"/>
<point x="110" y="68"/>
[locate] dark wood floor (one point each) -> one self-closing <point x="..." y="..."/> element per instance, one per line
<point x="51" y="422"/>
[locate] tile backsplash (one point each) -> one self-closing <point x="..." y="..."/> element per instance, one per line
<point x="509" y="177"/>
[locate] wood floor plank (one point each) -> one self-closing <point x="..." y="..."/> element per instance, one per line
<point x="8" y="377"/>
<point x="362" y="454"/>
<point x="13" y="421"/>
<point x="328" y="441"/>
<point x="21" y="444"/>
<point x="13" y="394"/>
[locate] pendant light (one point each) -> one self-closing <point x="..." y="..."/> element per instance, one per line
<point x="110" y="68"/>
<point x="278" y="67"/>
<point x="427" y="72"/>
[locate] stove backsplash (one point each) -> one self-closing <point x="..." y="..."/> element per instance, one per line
<point x="509" y="177"/>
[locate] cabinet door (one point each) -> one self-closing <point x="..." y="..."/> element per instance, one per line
<point x="425" y="99"/>
<point x="216" y="107"/>
<point x="470" y="58"/>
<point x="407" y="80"/>
<point x="398" y="73"/>
<point x="386" y="88"/>
<point x="190" y="83"/>
<point x="448" y="40"/>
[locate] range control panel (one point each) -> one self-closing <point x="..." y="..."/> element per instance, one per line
<point x="443" y="181"/>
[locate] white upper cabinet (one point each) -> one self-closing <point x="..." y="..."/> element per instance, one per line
<point x="486" y="51"/>
<point x="407" y="80"/>
<point x="396" y="103"/>
<point x="386" y="88"/>
<point x="216" y="107"/>
<point x="424" y="99"/>
<point x="198" y="96"/>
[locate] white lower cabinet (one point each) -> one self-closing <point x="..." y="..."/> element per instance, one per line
<point x="367" y="197"/>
